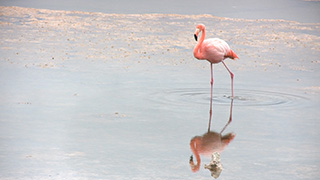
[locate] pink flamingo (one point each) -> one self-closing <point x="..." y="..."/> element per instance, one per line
<point x="214" y="50"/>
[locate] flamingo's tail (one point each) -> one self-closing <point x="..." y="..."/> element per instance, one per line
<point x="228" y="138"/>
<point x="232" y="55"/>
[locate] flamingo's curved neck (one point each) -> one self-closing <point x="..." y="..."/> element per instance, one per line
<point x="193" y="147"/>
<point x="196" y="52"/>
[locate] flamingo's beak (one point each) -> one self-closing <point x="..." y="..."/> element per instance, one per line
<point x="196" y="34"/>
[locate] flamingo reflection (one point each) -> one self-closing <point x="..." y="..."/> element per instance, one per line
<point x="211" y="143"/>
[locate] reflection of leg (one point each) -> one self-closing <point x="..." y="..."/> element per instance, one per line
<point x="210" y="112"/>
<point x="230" y="118"/>
<point x="231" y="74"/>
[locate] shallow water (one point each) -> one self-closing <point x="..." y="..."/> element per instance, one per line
<point x="112" y="96"/>
<point x="306" y="11"/>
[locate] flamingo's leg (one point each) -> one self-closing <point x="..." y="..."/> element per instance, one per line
<point x="210" y="112"/>
<point x="231" y="74"/>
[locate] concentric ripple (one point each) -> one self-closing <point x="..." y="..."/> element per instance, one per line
<point x="243" y="97"/>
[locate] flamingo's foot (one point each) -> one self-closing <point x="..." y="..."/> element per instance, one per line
<point x="229" y="97"/>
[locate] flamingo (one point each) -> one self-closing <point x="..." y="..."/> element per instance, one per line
<point x="214" y="50"/>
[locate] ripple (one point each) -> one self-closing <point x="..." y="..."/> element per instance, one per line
<point x="243" y="97"/>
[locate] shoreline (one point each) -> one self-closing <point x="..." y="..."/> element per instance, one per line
<point x="163" y="14"/>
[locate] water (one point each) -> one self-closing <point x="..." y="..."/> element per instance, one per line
<point x="294" y="10"/>
<point x="115" y="96"/>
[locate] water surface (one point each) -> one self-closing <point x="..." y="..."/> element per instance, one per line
<point x="294" y="10"/>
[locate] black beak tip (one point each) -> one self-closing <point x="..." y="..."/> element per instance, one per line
<point x="195" y="37"/>
<point x="191" y="158"/>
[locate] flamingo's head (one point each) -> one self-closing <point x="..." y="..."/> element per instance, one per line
<point x="200" y="27"/>
<point x="196" y="34"/>
<point x="196" y="37"/>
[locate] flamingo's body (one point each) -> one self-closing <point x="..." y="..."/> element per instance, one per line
<point x="214" y="50"/>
